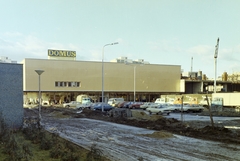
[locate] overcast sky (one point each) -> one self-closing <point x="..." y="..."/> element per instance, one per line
<point x="158" y="31"/>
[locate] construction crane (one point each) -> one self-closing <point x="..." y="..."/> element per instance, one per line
<point x="215" y="66"/>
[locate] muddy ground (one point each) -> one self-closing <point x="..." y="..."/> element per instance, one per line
<point x="195" y="129"/>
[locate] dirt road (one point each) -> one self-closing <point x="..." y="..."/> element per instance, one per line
<point x="119" y="141"/>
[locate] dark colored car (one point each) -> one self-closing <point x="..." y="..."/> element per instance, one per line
<point x="135" y="105"/>
<point x="98" y="106"/>
<point x="127" y="104"/>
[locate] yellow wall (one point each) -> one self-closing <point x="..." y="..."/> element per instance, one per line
<point x="117" y="77"/>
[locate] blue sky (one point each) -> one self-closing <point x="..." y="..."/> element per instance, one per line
<point x="158" y="31"/>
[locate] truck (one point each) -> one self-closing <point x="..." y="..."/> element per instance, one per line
<point x="83" y="99"/>
<point x="165" y="101"/>
<point x="225" y="100"/>
<point x="205" y="101"/>
<point x="84" y="102"/>
<point x="160" y="100"/>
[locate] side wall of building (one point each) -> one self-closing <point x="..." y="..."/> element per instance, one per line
<point x="118" y="77"/>
<point x="150" y="80"/>
<point x="11" y="94"/>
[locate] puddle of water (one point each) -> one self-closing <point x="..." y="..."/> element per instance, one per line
<point x="232" y="127"/>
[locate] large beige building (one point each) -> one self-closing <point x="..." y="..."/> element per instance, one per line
<point x="62" y="80"/>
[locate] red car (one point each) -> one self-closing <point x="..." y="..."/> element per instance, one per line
<point x="135" y="105"/>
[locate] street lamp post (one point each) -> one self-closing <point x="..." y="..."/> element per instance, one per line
<point x="134" y="81"/>
<point x="115" y="43"/>
<point x="39" y="72"/>
<point x="134" y="84"/>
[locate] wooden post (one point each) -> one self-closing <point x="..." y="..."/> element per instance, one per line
<point x="210" y="112"/>
<point x="182" y="108"/>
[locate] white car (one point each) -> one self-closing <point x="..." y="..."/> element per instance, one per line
<point x="186" y="108"/>
<point x="148" y="104"/>
<point x="83" y="105"/>
<point x="192" y="108"/>
<point x="71" y="104"/>
<point x="160" y="109"/>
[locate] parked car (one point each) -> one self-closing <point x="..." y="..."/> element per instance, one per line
<point x="192" y="108"/>
<point x="127" y="104"/>
<point x="120" y="105"/>
<point x="148" y="104"/>
<point x="145" y="105"/>
<point x="71" y="104"/>
<point x="174" y="107"/>
<point x="135" y="105"/>
<point x="186" y="107"/>
<point x="160" y="109"/>
<point x="115" y="101"/>
<point x="82" y="106"/>
<point x="98" y="106"/>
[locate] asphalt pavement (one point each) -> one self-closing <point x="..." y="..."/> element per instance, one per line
<point x="197" y="117"/>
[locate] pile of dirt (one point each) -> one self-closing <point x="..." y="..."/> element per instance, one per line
<point x="172" y="125"/>
<point x="30" y="112"/>
<point x="159" y="135"/>
<point x="143" y="116"/>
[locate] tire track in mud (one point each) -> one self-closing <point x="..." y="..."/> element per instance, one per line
<point x="121" y="142"/>
<point x="206" y="150"/>
<point x="196" y="155"/>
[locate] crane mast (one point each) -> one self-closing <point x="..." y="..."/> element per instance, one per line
<point x="215" y="66"/>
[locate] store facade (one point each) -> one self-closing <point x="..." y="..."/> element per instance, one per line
<point x="63" y="80"/>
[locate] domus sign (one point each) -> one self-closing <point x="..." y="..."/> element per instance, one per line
<point x="61" y="53"/>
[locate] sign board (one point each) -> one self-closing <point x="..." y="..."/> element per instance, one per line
<point x="61" y="53"/>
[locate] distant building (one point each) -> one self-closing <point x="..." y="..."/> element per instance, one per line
<point x="126" y="60"/>
<point x="196" y="82"/>
<point x="11" y="94"/>
<point x="4" y="59"/>
<point x="234" y="77"/>
<point x="194" y="75"/>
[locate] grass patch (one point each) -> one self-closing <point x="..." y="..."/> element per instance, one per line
<point x="33" y="143"/>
